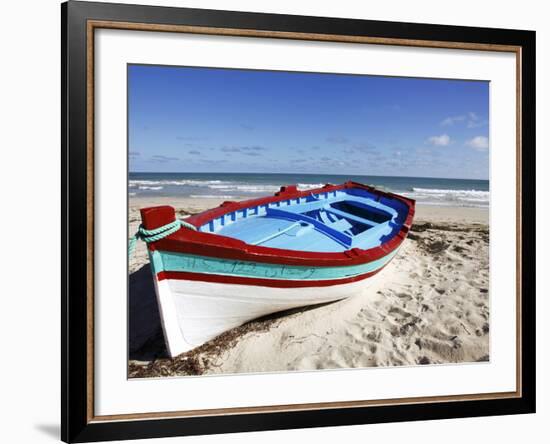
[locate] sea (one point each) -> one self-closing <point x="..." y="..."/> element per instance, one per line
<point x="428" y="191"/>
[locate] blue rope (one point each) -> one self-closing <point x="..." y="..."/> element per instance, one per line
<point x="156" y="234"/>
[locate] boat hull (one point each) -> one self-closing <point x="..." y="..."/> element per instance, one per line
<point x="196" y="311"/>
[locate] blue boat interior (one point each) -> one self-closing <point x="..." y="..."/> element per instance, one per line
<point x="332" y="221"/>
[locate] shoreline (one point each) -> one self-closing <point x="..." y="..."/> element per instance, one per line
<point x="429" y="306"/>
<point x="424" y="212"/>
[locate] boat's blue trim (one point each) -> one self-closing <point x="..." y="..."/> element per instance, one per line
<point x="178" y="262"/>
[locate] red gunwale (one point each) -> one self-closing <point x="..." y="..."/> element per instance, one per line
<point x="214" y="245"/>
<point x="275" y="283"/>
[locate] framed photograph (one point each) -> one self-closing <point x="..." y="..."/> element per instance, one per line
<point x="276" y="221"/>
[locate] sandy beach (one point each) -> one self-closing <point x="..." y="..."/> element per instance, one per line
<point x="430" y="305"/>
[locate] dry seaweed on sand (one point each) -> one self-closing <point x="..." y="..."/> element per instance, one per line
<point x="421" y="227"/>
<point x="432" y="237"/>
<point x="197" y="361"/>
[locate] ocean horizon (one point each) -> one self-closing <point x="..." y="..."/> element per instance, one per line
<point x="426" y="190"/>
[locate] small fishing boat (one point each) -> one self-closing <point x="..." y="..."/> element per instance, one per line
<point x="242" y="260"/>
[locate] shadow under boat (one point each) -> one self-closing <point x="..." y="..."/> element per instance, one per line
<point x="145" y="335"/>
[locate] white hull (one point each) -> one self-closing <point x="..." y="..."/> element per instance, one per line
<point x="195" y="312"/>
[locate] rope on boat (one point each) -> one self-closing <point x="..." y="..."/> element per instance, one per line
<point x="157" y="234"/>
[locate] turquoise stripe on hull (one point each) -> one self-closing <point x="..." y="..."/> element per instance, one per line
<point x="168" y="261"/>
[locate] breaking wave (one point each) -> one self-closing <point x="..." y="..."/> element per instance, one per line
<point x="137" y="183"/>
<point x="217" y="185"/>
<point x="472" y="198"/>
<point x="211" y="196"/>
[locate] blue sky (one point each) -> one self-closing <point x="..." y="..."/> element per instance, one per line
<point x="220" y="120"/>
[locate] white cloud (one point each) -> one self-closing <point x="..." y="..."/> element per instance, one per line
<point x="474" y="121"/>
<point x="480" y="143"/>
<point x="452" y="120"/>
<point x="442" y="140"/>
<point x="471" y="119"/>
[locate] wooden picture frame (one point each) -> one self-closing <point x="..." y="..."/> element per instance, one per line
<point x="79" y="22"/>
